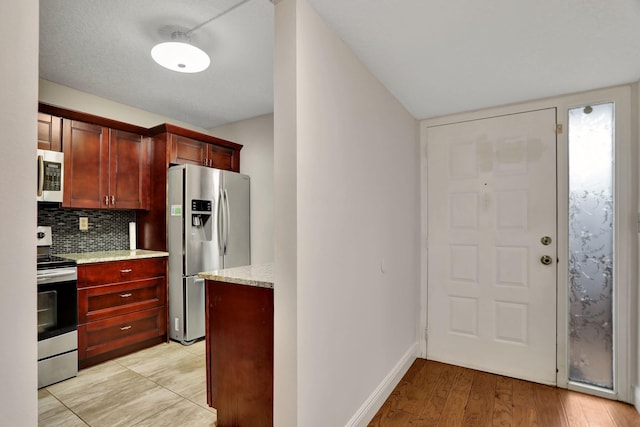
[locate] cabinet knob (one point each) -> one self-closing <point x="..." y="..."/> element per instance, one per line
<point x="106" y="200"/>
<point x="125" y="328"/>
<point x="126" y="270"/>
<point x="113" y="200"/>
<point x="125" y="295"/>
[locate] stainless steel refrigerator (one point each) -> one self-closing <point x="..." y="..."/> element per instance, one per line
<point x="208" y="223"/>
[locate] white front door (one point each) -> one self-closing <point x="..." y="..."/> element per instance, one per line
<point x="491" y="223"/>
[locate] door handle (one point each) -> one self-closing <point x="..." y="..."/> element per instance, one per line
<point x="40" y="175"/>
<point x="227" y="221"/>
<point x="545" y="240"/>
<point x="546" y="260"/>
<point x="220" y="223"/>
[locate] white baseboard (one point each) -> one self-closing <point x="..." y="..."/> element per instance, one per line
<point x="375" y="401"/>
<point x="637" y="398"/>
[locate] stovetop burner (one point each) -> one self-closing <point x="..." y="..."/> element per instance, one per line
<point x="45" y="262"/>
<point x="44" y="258"/>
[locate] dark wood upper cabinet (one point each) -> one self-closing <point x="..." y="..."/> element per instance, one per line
<point x="223" y="158"/>
<point x="190" y="151"/>
<point x="49" y="132"/>
<point x="104" y="168"/>
<point x="86" y="164"/>
<point x="187" y="151"/>
<point x="185" y="146"/>
<point x="128" y="170"/>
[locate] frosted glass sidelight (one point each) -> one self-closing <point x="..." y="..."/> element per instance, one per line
<point x="591" y="229"/>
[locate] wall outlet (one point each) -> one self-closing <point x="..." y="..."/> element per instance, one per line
<point x="84" y="223"/>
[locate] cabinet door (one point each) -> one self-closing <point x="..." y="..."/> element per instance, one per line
<point x="221" y="157"/>
<point x="49" y="132"/>
<point x="240" y="353"/>
<point x="86" y="157"/>
<point x="128" y="171"/>
<point x="187" y="151"/>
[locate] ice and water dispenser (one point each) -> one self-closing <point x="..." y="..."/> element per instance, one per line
<point x="202" y="219"/>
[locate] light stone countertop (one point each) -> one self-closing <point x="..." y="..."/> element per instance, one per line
<point x="105" y="256"/>
<point x="259" y="275"/>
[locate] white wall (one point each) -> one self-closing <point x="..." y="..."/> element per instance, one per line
<point x="357" y="216"/>
<point x="635" y="138"/>
<point x="256" y="160"/>
<point x="285" y="228"/>
<point x="18" y="92"/>
<point x="72" y="99"/>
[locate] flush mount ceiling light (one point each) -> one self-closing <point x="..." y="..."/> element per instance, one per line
<point x="180" y="55"/>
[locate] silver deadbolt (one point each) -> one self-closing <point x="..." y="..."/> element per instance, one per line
<point x="546" y="260"/>
<point x="545" y="240"/>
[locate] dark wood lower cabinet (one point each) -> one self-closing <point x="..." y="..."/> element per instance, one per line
<point x="239" y="321"/>
<point x="105" y="339"/>
<point x="121" y="308"/>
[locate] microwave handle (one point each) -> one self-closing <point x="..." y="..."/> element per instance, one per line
<point x="40" y="174"/>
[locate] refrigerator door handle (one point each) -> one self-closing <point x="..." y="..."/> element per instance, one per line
<point x="220" y="223"/>
<point x="227" y="221"/>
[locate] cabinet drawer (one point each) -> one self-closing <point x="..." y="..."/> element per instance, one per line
<point x="102" y="302"/>
<point x="120" y="271"/>
<point x="95" y="338"/>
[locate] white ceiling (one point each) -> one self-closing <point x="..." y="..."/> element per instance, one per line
<point x="103" y="47"/>
<point x="436" y="57"/>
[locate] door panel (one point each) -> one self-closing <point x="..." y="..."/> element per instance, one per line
<point x="86" y="157"/>
<point x="491" y="198"/>
<point x="194" y="308"/>
<point x="237" y="220"/>
<point x="128" y="170"/>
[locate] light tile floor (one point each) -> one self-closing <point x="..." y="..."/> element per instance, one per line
<point x="164" y="385"/>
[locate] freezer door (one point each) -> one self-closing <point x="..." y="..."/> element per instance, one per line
<point x="194" y="308"/>
<point x="201" y="197"/>
<point x="236" y="229"/>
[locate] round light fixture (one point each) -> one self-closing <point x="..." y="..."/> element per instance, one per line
<point x="180" y="55"/>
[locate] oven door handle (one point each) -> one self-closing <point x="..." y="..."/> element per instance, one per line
<point x="51" y="275"/>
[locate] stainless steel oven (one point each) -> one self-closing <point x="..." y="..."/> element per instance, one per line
<point x="57" y="314"/>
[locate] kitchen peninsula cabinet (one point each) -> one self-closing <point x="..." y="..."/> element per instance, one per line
<point x="121" y="308"/>
<point x="49" y="132"/>
<point x="104" y="167"/>
<point x="239" y="345"/>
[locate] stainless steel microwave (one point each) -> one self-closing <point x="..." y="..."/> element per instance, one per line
<point x="50" y="176"/>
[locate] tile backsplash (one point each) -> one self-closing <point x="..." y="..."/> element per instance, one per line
<point x="108" y="229"/>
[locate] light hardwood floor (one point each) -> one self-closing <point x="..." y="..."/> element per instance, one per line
<point x="164" y="385"/>
<point x="437" y="394"/>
